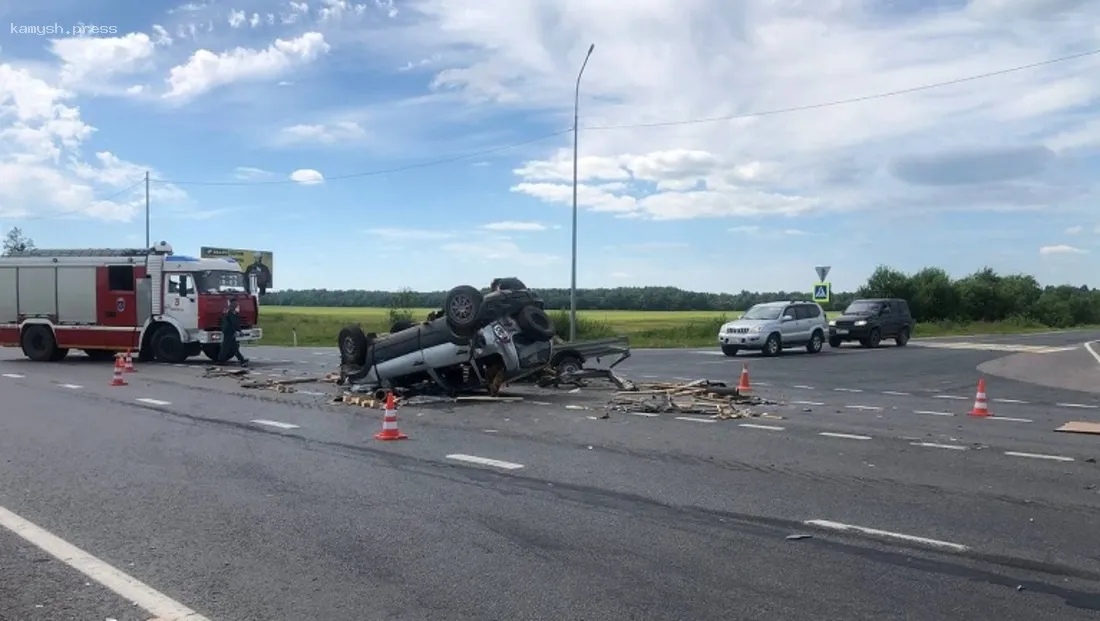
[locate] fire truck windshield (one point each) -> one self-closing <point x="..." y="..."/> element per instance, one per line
<point x="220" y="281"/>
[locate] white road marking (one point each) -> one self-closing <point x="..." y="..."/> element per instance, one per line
<point x="847" y="436"/>
<point x="14" y="375"/>
<point x="144" y="596"/>
<point x="762" y="383"/>
<point x="275" y="423"/>
<point x="1077" y="405"/>
<point x="933" y="413"/>
<point x="803" y="387"/>
<point x="954" y="447"/>
<point x="645" y="414"/>
<point x="71" y="386"/>
<point x="864" y="407"/>
<point x="485" y="461"/>
<point x="874" y="532"/>
<point x="153" y="401"/>
<point x="692" y="419"/>
<point x="1090" y="350"/>
<point x="950" y="397"/>
<point x="1039" y="456"/>
<point x="312" y="393"/>
<point x="1008" y="347"/>
<point x="848" y="389"/>
<point x="1009" y="401"/>
<point x="1009" y="419"/>
<point x="897" y="393"/>
<point x="764" y="427"/>
<point x="807" y="403"/>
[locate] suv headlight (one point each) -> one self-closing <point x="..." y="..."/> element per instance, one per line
<point x="861" y="322"/>
<point x="832" y="322"/>
<point x="754" y="329"/>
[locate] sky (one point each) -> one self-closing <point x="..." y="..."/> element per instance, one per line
<point x="426" y="143"/>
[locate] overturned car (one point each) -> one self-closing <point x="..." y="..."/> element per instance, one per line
<point x="476" y="341"/>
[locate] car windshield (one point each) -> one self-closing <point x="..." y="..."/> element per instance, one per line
<point x="763" y="312"/>
<point x="862" y="308"/>
<point x="220" y="281"/>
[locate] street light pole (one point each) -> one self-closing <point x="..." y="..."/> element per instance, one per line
<point x="576" y="121"/>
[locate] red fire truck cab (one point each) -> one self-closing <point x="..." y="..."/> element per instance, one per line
<point x="102" y="301"/>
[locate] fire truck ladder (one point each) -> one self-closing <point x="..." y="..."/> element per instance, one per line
<point x="86" y="252"/>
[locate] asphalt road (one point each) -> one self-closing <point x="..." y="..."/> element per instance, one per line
<point x="247" y="505"/>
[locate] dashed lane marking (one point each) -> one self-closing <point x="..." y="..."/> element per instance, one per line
<point x="848" y="389"/>
<point x="1039" y="456"/>
<point x="14" y="375"/>
<point x="1084" y="406"/>
<point x="764" y="427"/>
<point x="275" y="423"/>
<point x="152" y="401"/>
<point x="803" y="387"/>
<point x="864" y="407"/>
<point x="692" y="419"/>
<point x="932" y="413"/>
<point x="874" y="532"/>
<point x="1009" y="401"/>
<point x="312" y="393"/>
<point x="762" y="384"/>
<point x="485" y="461"/>
<point x="153" y="602"/>
<point x="807" y="403"/>
<point x="1009" y="419"/>
<point x="846" y="436"/>
<point x="953" y="447"/>
<point x="897" y="393"/>
<point x="643" y="414"/>
<point x="71" y="386"/>
<point x="957" y="398"/>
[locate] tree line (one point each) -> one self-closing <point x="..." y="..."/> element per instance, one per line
<point x="932" y="295"/>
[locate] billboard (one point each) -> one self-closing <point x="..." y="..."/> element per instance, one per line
<point x="259" y="262"/>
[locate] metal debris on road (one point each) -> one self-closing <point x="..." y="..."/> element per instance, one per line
<point x="696" y="397"/>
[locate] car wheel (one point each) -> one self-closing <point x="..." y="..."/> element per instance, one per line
<point x="568" y="364"/>
<point x="902" y="338"/>
<point x="835" y="342"/>
<point x="353" y="345"/>
<point x="730" y="350"/>
<point x="535" y="323"/>
<point x="38" y="343"/>
<point x="167" y="346"/>
<point x="463" y="309"/>
<point x="873" y="339"/>
<point x="773" y="345"/>
<point x="817" y="341"/>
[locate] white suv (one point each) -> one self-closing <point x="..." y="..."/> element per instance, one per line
<point x="775" y="326"/>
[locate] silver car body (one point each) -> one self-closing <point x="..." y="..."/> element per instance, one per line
<point x="794" y="321"/>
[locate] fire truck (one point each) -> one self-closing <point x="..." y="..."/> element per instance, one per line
<point x="160" y="305"/>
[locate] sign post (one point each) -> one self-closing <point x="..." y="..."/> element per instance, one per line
<point x="822" y="289"/>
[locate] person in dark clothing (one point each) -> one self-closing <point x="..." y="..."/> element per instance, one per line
<point x="231" y="323"/>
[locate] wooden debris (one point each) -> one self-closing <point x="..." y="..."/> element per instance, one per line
<point x="697" y="397"/>
<point x="1079" y="426"/>
<point x="270" y="383"/>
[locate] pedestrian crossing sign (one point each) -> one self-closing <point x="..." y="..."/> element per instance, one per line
<point x="822" y="291"/>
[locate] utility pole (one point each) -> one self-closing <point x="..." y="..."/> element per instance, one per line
<point x="576" y="123"/>
<point x="148" y="244"/>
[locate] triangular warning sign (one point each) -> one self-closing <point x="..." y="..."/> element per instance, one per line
<point x="822" y="271"/>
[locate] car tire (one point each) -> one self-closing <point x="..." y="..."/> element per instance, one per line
<point x="902" y="339"/>
<point x="568" y="364"/>
<point x="835" y="342"/>
<point x="401" y="324"/>
<point x="462" y="308"/>
<point x="873" y="339"/>
<point x="167" y="346"/>
<point x="38" y="343"/>
<point x="535" y="323"/>
<point x="817" y="341"/>
<point x="730" y="350"/>
<point x="353" y="345"/>
<point x="773" y="346"/>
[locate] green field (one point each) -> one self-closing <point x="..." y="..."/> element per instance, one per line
<point x="319" y="326"/>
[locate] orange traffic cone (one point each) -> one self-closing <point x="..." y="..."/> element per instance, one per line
<point x="981" y="407"/>
<point x="128" y="366"/>
<point x="389" y="423"/>
<point x="743" y="385"/>
<point x="116" y="379"/>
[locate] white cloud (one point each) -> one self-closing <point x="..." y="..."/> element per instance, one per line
<point x="307" y="176"/>
<point x="1074" y="230"/>
<point x="400" y="234"/>
<point x="237" y="19"/>
<point x="206" y="70"/>
<point x="250" y="173"/>
<point x="87" y="60"/>
<point x="512" y="225"/>
<point x="342" y="132"/>
<point x="499" y="251"/>
<point x="1061" y="249"/>
<point x="717" y="59"/>
<point x="332" y="10"/>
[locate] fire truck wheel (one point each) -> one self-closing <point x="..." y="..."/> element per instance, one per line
<point x="59" y="354"/>
<point x="99" y="355"/>
<point x="212" y="350"/>
<point x="38" y="343"/>
<point x="167" y="346"/>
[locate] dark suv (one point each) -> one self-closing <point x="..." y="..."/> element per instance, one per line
<point x="870" y="321"/>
